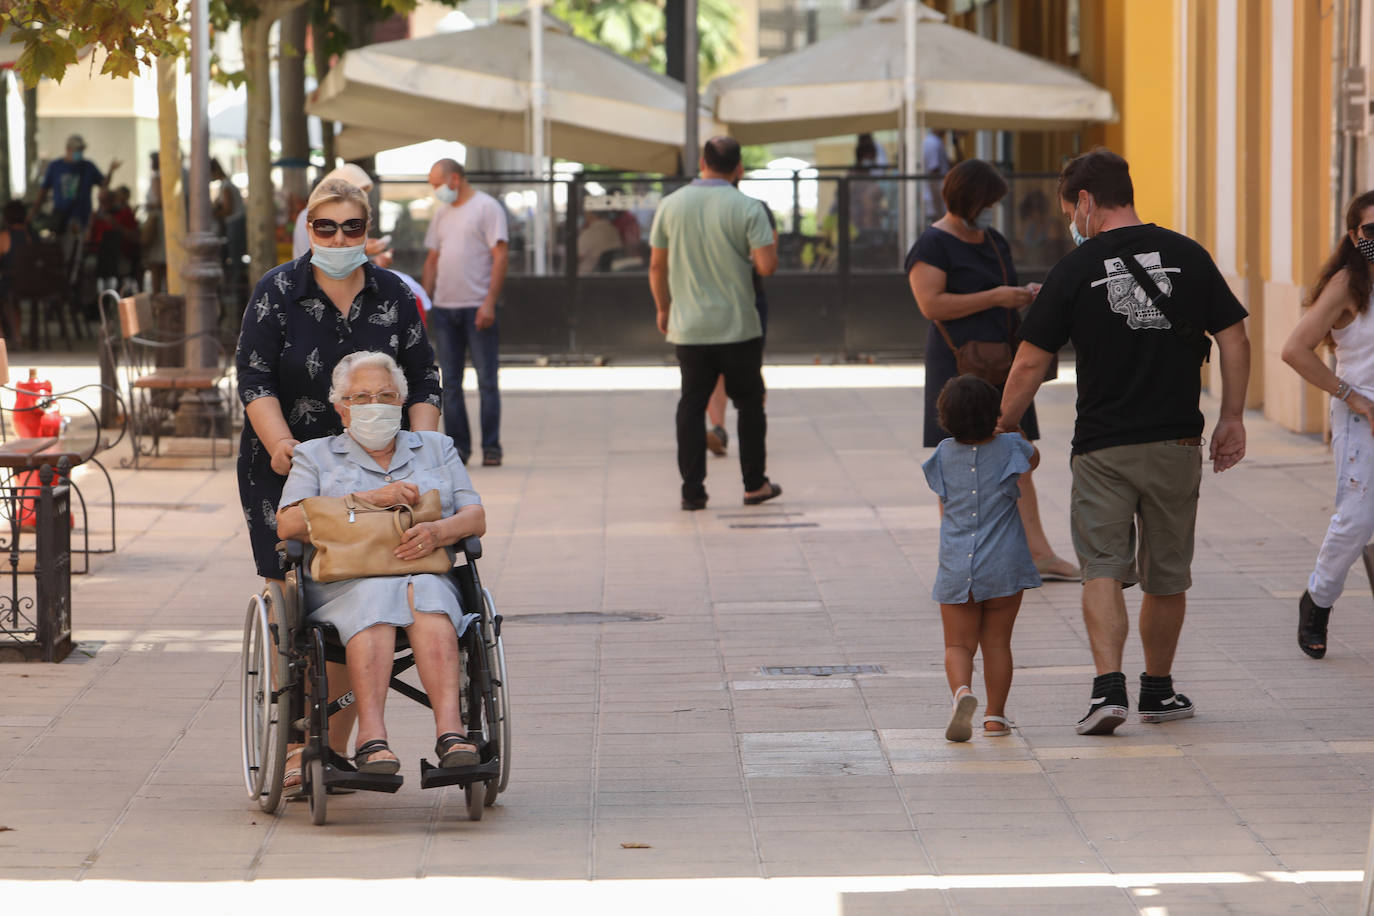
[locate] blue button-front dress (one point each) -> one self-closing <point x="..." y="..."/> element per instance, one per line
<point x="983" y="550"/>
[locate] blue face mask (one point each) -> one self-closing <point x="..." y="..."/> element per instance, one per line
<point x="1078" y="237"/>
<point x="337" y="263"/>
<point x="445" y="194"/>
<point x="78" y="155"/>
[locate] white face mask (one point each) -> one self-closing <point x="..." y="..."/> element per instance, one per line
<point x="374" y="426"/>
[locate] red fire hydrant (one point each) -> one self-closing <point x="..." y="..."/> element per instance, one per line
<point x="33" y="421"/>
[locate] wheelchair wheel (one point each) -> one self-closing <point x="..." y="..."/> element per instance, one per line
<point x="319" y="792"/>
<point x="476" y="799"/>
<point x="497" y="664"/>
<point x="266" y="721"/>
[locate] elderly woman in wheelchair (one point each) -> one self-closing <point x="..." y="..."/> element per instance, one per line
<point x="375" y="462"/>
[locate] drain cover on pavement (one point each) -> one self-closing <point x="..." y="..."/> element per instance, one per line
<point x="775" y="525"/>
<point x="822" y="670"/>
<point x="571" y="617"/>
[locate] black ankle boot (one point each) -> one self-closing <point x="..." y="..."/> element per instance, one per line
<point x="1312" y="620"/>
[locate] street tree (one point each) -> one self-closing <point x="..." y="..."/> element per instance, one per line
<point x="131" y="34"/>
<point x="637" y="29"/>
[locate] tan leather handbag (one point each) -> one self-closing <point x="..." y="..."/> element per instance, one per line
<point x="355" y="539"/>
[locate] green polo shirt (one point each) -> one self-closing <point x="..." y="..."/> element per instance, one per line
<point x="709" y="229"/>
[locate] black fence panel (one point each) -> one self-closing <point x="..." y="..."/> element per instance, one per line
<point x="839" y="292"/>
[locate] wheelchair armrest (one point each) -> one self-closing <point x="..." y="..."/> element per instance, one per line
<point x="295" y="552"/>
<point x="472" y="546"/>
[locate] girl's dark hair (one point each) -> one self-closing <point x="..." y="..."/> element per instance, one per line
<point x="972" y="185"/>
<point x="968" y="408"/>
<point x="1347" y="256"/>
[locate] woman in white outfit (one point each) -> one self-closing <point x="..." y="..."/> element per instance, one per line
<point x="1339" y="314"/>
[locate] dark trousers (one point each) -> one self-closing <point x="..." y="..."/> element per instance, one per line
<point x="742" y="365"/>
<point x="455" y="337"/>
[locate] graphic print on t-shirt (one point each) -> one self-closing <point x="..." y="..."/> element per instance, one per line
<point x="1125" y="296"/>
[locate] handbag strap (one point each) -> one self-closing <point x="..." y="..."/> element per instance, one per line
<point x="992" y="240"/>
<point x="940" y="325"/>
<point x="1006" y="280"/>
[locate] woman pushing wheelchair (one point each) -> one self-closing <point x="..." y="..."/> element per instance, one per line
<point x="372" y="465"/>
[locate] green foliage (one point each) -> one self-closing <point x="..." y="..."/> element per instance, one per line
<point x="755" y="157"/>
<point x="133" y="33"/>
<point x="637" y="29"/>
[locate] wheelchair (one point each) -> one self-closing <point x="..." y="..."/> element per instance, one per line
<point x="283" y="654"/>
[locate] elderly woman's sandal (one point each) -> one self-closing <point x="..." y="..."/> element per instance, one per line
<point x="455" y="750"/>
<point x="367" y="758"/>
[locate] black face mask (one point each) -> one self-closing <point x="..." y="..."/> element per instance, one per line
<point x="1366" y="247"/>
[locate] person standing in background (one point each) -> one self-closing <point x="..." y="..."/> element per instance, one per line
<point x="465" y="270"/>
<point x="70" y="180"/>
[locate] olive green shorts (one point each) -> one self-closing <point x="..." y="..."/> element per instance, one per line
<point x="1133" y="511"/>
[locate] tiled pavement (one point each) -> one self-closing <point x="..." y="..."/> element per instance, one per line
<point x="121" y="765"/>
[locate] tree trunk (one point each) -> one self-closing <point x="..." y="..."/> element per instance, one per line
<point x="31" y="173"/>
<point x="5" y="193"/>
<point x="295" y="139"/>
<point x="260" y="205"/>
<point x="327" y="144"/>
<point x="169" y="174"/>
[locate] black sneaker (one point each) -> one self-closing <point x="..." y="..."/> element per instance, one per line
<point x="1109" y="708"/>
<point x="1159" y="702"/>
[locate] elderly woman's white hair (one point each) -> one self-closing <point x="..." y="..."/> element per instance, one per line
<point x="342" y="376"/>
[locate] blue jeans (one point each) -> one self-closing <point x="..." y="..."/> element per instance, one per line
<point x="455" y="335"/>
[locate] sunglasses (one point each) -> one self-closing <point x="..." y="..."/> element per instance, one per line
<point x="1367" y="230"/>
<point x="352" y="228"/>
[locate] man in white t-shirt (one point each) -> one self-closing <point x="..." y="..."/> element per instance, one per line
<point x="464" y="272"/>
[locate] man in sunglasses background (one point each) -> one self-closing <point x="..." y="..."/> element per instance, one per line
<point x="465" y="269"/>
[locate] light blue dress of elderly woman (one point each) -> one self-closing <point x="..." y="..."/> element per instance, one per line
<point x="337" y="466"/>
<point x="384" y="464"/>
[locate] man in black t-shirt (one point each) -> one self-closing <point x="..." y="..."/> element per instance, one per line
<point x="1138" y="333"/>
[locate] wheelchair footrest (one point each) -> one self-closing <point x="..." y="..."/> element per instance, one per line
<point x="432" y="777"/>
<point x="339" y="772"/>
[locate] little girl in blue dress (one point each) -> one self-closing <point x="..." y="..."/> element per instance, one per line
<point x="985" y="562"/>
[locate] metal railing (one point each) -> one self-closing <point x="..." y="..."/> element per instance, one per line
<point x="36" y="605"/>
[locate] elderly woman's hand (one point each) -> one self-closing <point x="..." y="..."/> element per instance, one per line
<point x="393" y="494"/>
<point x="420" y="541"/>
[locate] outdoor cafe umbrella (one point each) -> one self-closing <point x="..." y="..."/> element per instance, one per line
<point x="852" y="83"/>
<point x="473" y="86"/>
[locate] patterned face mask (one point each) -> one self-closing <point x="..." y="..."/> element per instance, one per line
<point x="1366" y="247"/>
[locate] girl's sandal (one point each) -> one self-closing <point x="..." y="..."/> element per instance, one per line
<point x="996" y="732"/>
<point x="960" y="726"/>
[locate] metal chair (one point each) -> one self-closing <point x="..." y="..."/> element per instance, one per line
<point x="157" y="390"/>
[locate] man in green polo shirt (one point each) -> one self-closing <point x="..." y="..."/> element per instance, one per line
<point x="707" y="238"/>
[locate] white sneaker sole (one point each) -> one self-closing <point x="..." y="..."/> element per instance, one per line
<point x="1167" y="715"/>
<point x="1102" y="721"/>
<point x="960" y="726"/>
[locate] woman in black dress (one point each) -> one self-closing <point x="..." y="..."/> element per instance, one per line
<point x="303" y="317"/>
<point x="962" y="276"/>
